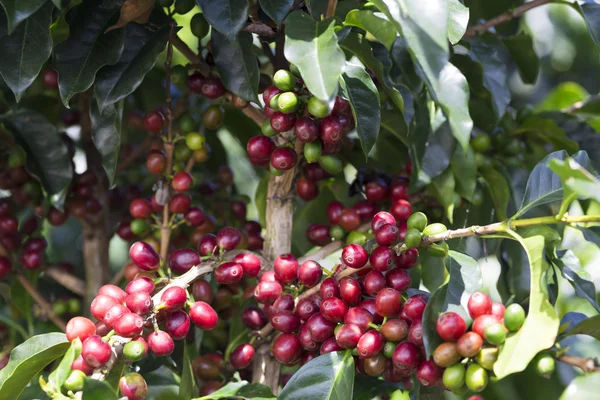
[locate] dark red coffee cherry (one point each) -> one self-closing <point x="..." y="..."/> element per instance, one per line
<point x="113" y="314"/>
<point x="330" y="346"/>
<point x="57" y="217"/>
<point x="331" y="129"/>
<point x="160" y="343"/>
<point x="369" y="305"/>
<point x="281" y="122"/>
<point x="140" y="208"/>
<point x="283" y="158"/>
<point x="307" y="190"/>
<point x="365" y="210"/>
<point x="141" y="284"/>
<point x="348" y="336"/>
<point x="266" y="292"/>
<point x="195" y="216"/>
<point x="398" y="190"/>
<point x="306" y="129"/>
<point x="139" y="303"/>
<point x="174" y="298"/>
<point x="253" y="318"/>
<point x="285" y="321"/>
<point x="182" y="260"/>
<point x="376" y="191"/>
<point x="285" y="302"/>
<point x="382" y="218"/>
<point x="329" y="288"/>
<point x="154" y="121"/>
<point x="387" y="235"/>
<point x="207" y="244"/>
<point x="407" y="259"/>
<point x="95" y="351"/>
<point x="450" y="326"/>
<point x="229" y="272"/>
<point x="334" y="212"/>
<point x="310" y="273"/>
<point x="318" y="234"/>
<point x="212" y="87"/>
<point x="31" y="260"/>
<point x="355" y="256"/>
<point x="306" y="308"/>
<point x="144" y="256"/>
<point x="350" y="291"/>
<point x="182" y="181"/>
<point x="414" y="308"/>
<point x="395" y="330"/>
<point x="373" y="283"/>
<point x="250" y="264"/>
<point x="286" y="267"/>
<point x="407" y="356"/>
<point x="401" y="210"/>
<point x="388" y="302"/>
<point x="242" y="356"/>
<point x="202" y="291"/>
<point x="382" y="258"/>
<point x="306" y="340"/>
<point x="398" y="279"/>
<point x="349" y="220"/>
<point x="269" y="92"/>
<point x="287" y="348"/>
<point x="370" y="344"/>
<point x="260" y="147"/>
<point x="177" y="324"/>
<point x="50" y="79"/>
<point x="180" y="203"/>
<point x="320" y="328"/>
<point x="429" y="374"/>
<point x="360" y="317"/>
<point x="228" y="238"/>
<point x="203" y="316"/>
<point x="334" y="309"/>
<point x="479" y="304"/>
<point x="100" y="306"/>
<point x="415" y="333"/>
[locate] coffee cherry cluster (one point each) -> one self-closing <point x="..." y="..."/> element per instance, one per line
<point x="467" y="357"/>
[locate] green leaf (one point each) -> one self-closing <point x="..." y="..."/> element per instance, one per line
<point x="571" y="269"/>
<point x="187" y="388"/>
<point x="547" y="130"/>
<point x="464" y="279"/>
<point x="143" y="44"/>
<point x="88" y="48"/>
<point x="583" y="387"/>
<point x="499" y="191"/>
<point x="493" y="69"/>
<point x="442" y="188"/>
<point x="327" y="377"/>
<point x="464" y="168"/>
<point x="114" y="375"/>
<point x="276" y="9"/>
<point x="58" y="377"/>
<point x="591" y="14"/>
<point x="374" y="23"/>
<point x="226" y="16"/>
<point x="393" y="122"/>
<point x="458" y="19"/>
<point x="541" y="324"/>
<point x="562" y="96"/>
<point x="47" y="154"/>
<point x="28" y="359"/>
<point x="97" y="390"/>
<point x="313" y="47"/>
<point x="18" y="11"/>
<point x="106" y="135"/>
<point x="522" y="52"/>
<point x="360" y="90"/>
<point x="589" y="326"/>
<point x="237" y="65"/>
<point x="241" y="390"/>
<point x="317" y="8"/>
<point x="24" y="51"/>
<point x="576" y="180"/>
<point x="591" y="234"/>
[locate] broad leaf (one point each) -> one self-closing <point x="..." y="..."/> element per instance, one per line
<point x="458" y="19"/>
<point x="573" y="272"/>
<point x="236" y="63"/>
<point x="494" y="74"/>
<point x="464" y="168"/>
<point x="106" y="135"/>
<point x="24" y="51"/>
<point x="589" y="326"/>
<point x="465" y="279"/>
<point x="226" y="16"/>
<point x="327" y="377"/>
<point x="28" y="359"/>
<point x="143" y="44"/>
<point x="187" y="387"/>
<point x="87" y="49"/>
<point x="522" y="52"/>
<point x="360" y="90"/>
<point x="317" y="8"/>
<point x="583" y="387"/>
<point x="548" y="131"/>
<point x="18" y="11"/>
<point x="47" y="154"/>
<point x="442" y="188"/>
<point x="58" y="377"/>
<point x="313" y="47"/>
<point x="591" y="15"/>
<point x="241" y="390"/>
<point x="499" y="191"/>
<point x="577" y="181"/>
<point x="541" y="324"/>
<point x="562" y="96"/>
<point x="374" y="23"/>
<point x="276" y="9"/>
<point x="97" y="390"/>
<point x="260" y="199"/>
<point x="591" y="234"/>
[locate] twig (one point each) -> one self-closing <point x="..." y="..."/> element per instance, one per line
<point x="67" y="280"/>
<point x="190" y="164"/>
<point x="261" y="29"/>
<point x="329" y="248"/>
<point x="587" y="365"/>
<point x="194" y="58"/>
<point x="477" y="30"/>
<point x="41" y="302"/>
<point x="331" y="8"/>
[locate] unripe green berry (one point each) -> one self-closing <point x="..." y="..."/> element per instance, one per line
<point x="182" y="152"/>
<point x="199" y="26"/>
<point x="294" y="70"/>
<point x="187" y="123"/>
<point x="454" y="376"/>
<point x="495" y="334"/>
<point x="487" y="357"/>
<point x="194" y="140"/>
<point x="274" y="102"/>
<point x="413" y="238"/>
<point x="139" y="226"/>
<point x="545" y="365"/>
<point x="284" y="80"/>
<point x="476" y="377"/>
<point x="267" y="129"/>
<point x="313" y="151"/>
<point x="388" y="349"/>
<point x="331" y="164"/>
<point x="75" y="381"/>
<point x="417" y="221"/>
<point x="438" y="250"/>
<point x="356" y="237"/>
<point x="134" y="351"/>
<point x="287" y="102"/>
<point x="59" y="307"/>
<point x="481" y="143"/>
<point x="73" y="306"/>
<point x="317" y="108"/>
<point x="178" y="75"/>
<point x="16" y="158"/>
<point x="274" y="171"/>
<point x="337" y="232"/>
<point x="514" y="317"/>
<point x="434" y="229"/>
<point x="482" y="161"/>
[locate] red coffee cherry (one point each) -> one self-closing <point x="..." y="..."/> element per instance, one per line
<point x="369" y="305"/>
<point x="156" y="162"/>
<point x="376" y="191"/>
<point x="469" y="344"/>
<point x="177" y="324"/>
<point x="254" y="318"/>
<point x="382" y="218"/>
<point x="334" y="212"/>
<point x="174" y="298"/>
<point x="331" y="129"/>
<point x="350" y="291"/>
<point x="229" y="272"/>
<point x="498" y="310"/>
<point x="329" y="346"/>
<point x="281" y="122"/>
<point x="429" y="374"/>
<point x="207" y="244"/>
<point x="50" y="79"/>
<point x="203" y="316"/>
<point x="398" y="190"/>
<point x="228" y="238"/>
<point x="212" y="87"/>
<point x="180" y="203"/>
<point x="310" y="273"/>
<point x="202" y="291"/>
<point x="133" y="386"/>
<point x="250" y="263"/>
<point x="479" y="304"/>
<point x="306" y="129"/>
<point x="124" y="231"/>
<point x="139" y="303"/>
<point x="401" y="210"/>
<point x="140" y="208"/>
<point x="57" y="217"/>
<point x="348" y="336"/>
<point x="306" y="340"/>
<point x="9" y="224"/>
<point x="113" y="314"/>
<point x="160" y="343"/>
<point x="195" y="216"/>
<point x="31" y="260"/>
<point x="407" y="259"/>
<point x="407" y="356"/>
<point x="450" y="326"/>
<point x="80" y="327"/>
<point x="395" y="330"/>
<point x="285" y="321"/>
<point x="382" y="258"/>
<point x="415" y="333"/>
<point x="260" y="147"/>
<point x="349" y="220"/>
<point x="398" y="279"/>
<point x="334" y="309"/>
<point x="100" y="306"/>
<point x="101" y="328"/>
<point x="129" y="325"/>
<point x="144" y="256"/>
<point x="355" y="256"/>
<point x="5" y="267"/>
<point x="306" y="308"/>
<point x="320" y="328"/>
<point x="266" y="292"/>
<point x="286" y="267"/>
<point x="373" y="283"/>
<point x="365" y="210"/>
<point x="360" y="317"/>
<point x="285" y="302"/>
<point x="242" y="356"/>
<point x="307" y="190"/>
<point x="318" y="234"/>
<point x="37" y="245"/>
<point x="154" y="121"/>
<point x="95" y="351"/>
<point x="482" y="322"/>
<point x="414" y="308"/>
<point x="283" y="158"/>
<point x="80" y="365"/>
<point x="370" y="344"/>
<point x="287" y="348"/>
<point x="387" y="235"/>
<point x="329" y="288"/>
<point x="141" y="284"/>
<point x="182" y="181"/>
<point x="388" y="302"/>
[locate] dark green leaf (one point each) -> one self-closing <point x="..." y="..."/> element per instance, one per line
<point x="374" y="23"/>
<point x="541" y="325"/>
<point x="562" y="96"/>
<point x="465" y="279"/>
<point x="583" y="387"/>
<point x="364" y="100"/>
<point x="591" y="14"/>
<point x="97" y="390"/>
<point x="569" y="320"/>
<point x="393" y="122"/>
<point x="484" y="9"/>
<point x="143" y="44"/>
<point x="58" y="377"/>
<point x="106" y="134"/>
<point x="458" y="18"/>
<point x="226" y="16"/>
<point x="521" y="50"/>
<point x="317" y="8"/>
<point x="577" y="181"/>
<point x="19" y="10"/>
<point x="494" y="74"/>
<point x="276" y="9"/>
<point x="237" y="64"/>
<point x="187" y="388"/>
<point x="28" y="359"/>
<point x="589" y="326"/>
<point x="47" y="154"/>
<point x="591" y="234"/>
<point x="243" y="390"/>
<point x="313" y="47"/>
<point x="88" y="48"/>
<point x="114" y="375"/>
<point x="327" y="377"/>
<point x="499" y="190"/>
<point x="432" y="271"/>
<point x="25" y="51"/>
<point x="579" y="278"/>
<point x="465" y="172"/>
<point x="547" y="130"/>
<point x="442" y="188"/>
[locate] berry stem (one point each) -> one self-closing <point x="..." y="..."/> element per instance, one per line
<point x="67" y="280"/>
<point x="587" y="365"/>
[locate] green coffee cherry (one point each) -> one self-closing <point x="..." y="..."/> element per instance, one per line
<point x="184" y="6"/>
<point x="356" y="237"/>
<point x="412" y="238"/>
<point x="267" y="129"/>
<point x="454" y="376"/>
<point x="199" y="26"/>
<point x="139" y="226"/>
<point x="75" y="381"/>
<point x="545" y="365"/>
<point x="187" y="123"/>
<point x="59" y="307"/>
<point x="461" y="391"/>
<point x="178" y="75"/>
<point x="274" y="171"/>
<point x="514" y="147"/>
<point x="487" y="357"/>
<point x="331" y="164"/>
<point x="16" y="158"/>
<point x="438" y="250"/>
<point x="284" y="80"/>
<point x="182" y="152"/>
<point x="514" y="317"/>
<point x="287" y="102"/>
<point x="337" y="232"/>
<point x="495" y="334"/>
<point x="294" y="70"/>
<point x="476" y="378"/>
<point x="194" y="141"/>
<point x="313" y="151"/>
<point x="481" y="143"/>
<point x="73" y="306"/>
<point x="388" y="349"/>
<point x="417" y="221"/>
<point x="134" y="351"/>
<point x="317" y="108"/>
<point x="434" y="229"/>
<point x="482" y="161"/>
<point x="274" y="102"/>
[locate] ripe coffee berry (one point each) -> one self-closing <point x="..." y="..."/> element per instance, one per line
<point x="207" y="244"/>
<point x="309" y="273"/>
<point x="428" y="373"/>
<point x="286" y="268"/>
<point x="395" y="330"/>
<point x="329" y="288"/>
<point x="242" y="356"/>
<point x="376" y="191"/>
<point x="212" y="88"/>
<point x="401" y="210"/>
<point x="334" y="211"/>
<point x="414" y="308"/>
<point x="253" y="318"/>
<point x="100" y="306"/>
<point x="415" y="333"/>
<point x="407" y="259"/>
<point x="144" y="256"/>
<point x="180" y="203"/>
<point x="174" y="298"/>
<point x="31" y="260"/>
<point x="306" y="308"/>
<point x="382" y="258"/>
<point x="479" y="304"/>
<point x="154" y="121"/>
<point x="80" y="364"/>
<point x="354" y="256"/>
<point x="228" y="273"/>
<point x="113" y="291"/>
<point x="203" y="316"/>
<point x="260" y="147"/>
<point x="320" y="328"/>
<point x="348" y="336"/>
<point x="331" y="129"/>
<point x="182" y="181"/>
<point x="160" y="343"/>
<point x="382" y="218"/>
<point x="281" y="122"/>
<point x="306" y="129"/>
<point x="329" y="346"/>
<point x="140" y="208"/>
<point x="398" y="279"/>
<point x="307" y="190"/>
<point x="407" y="356"/>
<point x="349" y="220"/>
<point x="129" y="325"/>
<point x="318" y="234"/>
<point x="350" y="291"/>
<point x="334" y="309"/>
<point x="80" y="327"/>
<point x="482" y="322"/>
<point x="228" y="238"/>
<point x="133" y="386"/>
<point x="370" y="344"/>
<point x="285" y="321"/>
<point x="283" y="158"/>
<point x="287" y="348"/>
<point x="360" y="317"/>
<point x="450" y="326"/>
<point x="113" y="314"/>
<point x="285" y="302"/>
<point x="498" y="310"/>
<point x="177" y="324"/>
<point x="95" y="351"/>
<point x="469" y="344"/>
<point x="266" y="292"/>
<point x="182" y="260"/>
<point x="141" y="284"/>
<point x="388" y="302"/>
<point x="306" y="340"/>
<point x="387" y="235"/>
<point x="250" y="264"/>
<point x="373" y="283"/>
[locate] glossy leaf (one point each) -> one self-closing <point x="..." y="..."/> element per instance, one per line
<point x="458" y="19"/>
<point x="87" y="49"/>
<point x="97" y="390"/>
<point x="562" y="96"/>
<point x="187" y="387"/>
<point x="241" y="390"/>
<point x="226" y="16"/>
<point x="464" y="168"/>
<point x="583" y="387"/>
<point x="317" y="8"/>
<point x="106" y="135"/>
<point x="522" y="52"/>
<point x="28" y="359"/>
<point x="464" y="279"/>
<point x="541" y="324"/>
<point x="591" y="14"/>
<point x="313" y="47"/>
<point x="548" y="131"/>
<point x="442" y="188"/>
<point x="499" y="191"/>
<point x="360" y="90"/>
<point x="236" y="63"/>
<point x="589" y="326"/>
<point x="374" y="23"/>
<point x="143" y="44"/>
<point x="47" y="154"/>
<point x="494" y="74"/>
<point x="58" y="377"/>
<point x="580" y="131"/>
<point x="18" y="11"/>
<point x="591" y="234"/>
<point x="577" y="181"/>
<point x="276" y="9"/>
<point x="327" y="377"/>
<point x="25" y="50"/>
<point x="579" y="278"/>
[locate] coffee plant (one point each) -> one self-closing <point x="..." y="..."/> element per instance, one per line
<point x="319" y="199"/>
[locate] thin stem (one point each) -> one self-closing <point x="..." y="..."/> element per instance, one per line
<point x="41" y="302"/>
<point x="587" y="365"/>
<point x="67" y="280"/>
<point x="331" y="6"/>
